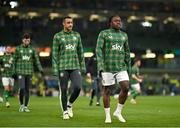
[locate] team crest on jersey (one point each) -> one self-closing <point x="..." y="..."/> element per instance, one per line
<point x="30" y="51"/>
<point x="123" y="38"/>
<point x="74" y="38"/>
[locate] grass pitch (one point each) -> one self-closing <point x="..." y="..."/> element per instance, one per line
<point x="151" y="111"/>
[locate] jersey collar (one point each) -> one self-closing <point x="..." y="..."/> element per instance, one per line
<point x="114" y="30"/>
<point x="67" y="32"/>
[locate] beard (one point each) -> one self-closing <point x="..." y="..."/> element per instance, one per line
<point x="69" y="28"/>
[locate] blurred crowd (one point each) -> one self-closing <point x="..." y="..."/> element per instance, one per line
<point x="48" y="86"/>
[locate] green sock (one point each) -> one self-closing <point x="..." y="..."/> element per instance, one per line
<point x="132" y="91"/>
<point x="135" y="94"/>
<point x="6" y="95"/>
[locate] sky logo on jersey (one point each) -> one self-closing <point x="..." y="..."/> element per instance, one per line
<point x="117" y="47"/>
<point x="25" y="57"/>
<point x="70" y="47"/>
<point x="7" y="65"/>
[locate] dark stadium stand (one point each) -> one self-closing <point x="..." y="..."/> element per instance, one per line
<point x="42" y="18"/>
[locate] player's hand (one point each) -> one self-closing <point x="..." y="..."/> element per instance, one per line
<point x="140" y="80"/>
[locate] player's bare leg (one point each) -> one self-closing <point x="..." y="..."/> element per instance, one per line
<point x="106" y="101"/>
<point x="122" y="98"/>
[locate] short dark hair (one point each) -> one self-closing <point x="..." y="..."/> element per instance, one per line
<point x="66" y="17"/>
<point x="111" y="17"/>
<point x="26" y="36"/>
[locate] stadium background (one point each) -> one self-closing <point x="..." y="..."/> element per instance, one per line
<point x="153" y="28"/>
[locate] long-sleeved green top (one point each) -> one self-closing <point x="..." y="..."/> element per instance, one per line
<point x="67" y="52"/>
<point x="25" y="59"/>
<point x="134" y="71"/>
<point x="6" y="65"/>
<point x="112" y="50"/>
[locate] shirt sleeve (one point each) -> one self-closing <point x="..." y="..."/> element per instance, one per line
<point x="127" y="56"/>
<point x="55" y="51"/>
<point x="81" y="56"/>
<point x="37" y="61"/>
<point x="99" y="52"/>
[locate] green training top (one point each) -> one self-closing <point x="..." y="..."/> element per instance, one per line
<point x="67" y="52"/>
<point x="8" y="68"/>
<point x="26" y="58"/>
<point x="112" y="50"/>
<point x="134" y="71"/>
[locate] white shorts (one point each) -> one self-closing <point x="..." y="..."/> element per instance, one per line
<point x="7" y="81"/>
<point x="109" y="78"/>
<point x="136" y="86"/>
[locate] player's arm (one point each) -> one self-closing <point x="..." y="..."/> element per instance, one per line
<point x="37" y="61"/>
<point x="136" y="78"/>
<point x="127" y="56"/>
<point x="140" y="77"/>
<point x="81" y="55"/>
<point x="99" y="52"/>
<point x="55" y="51"/>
